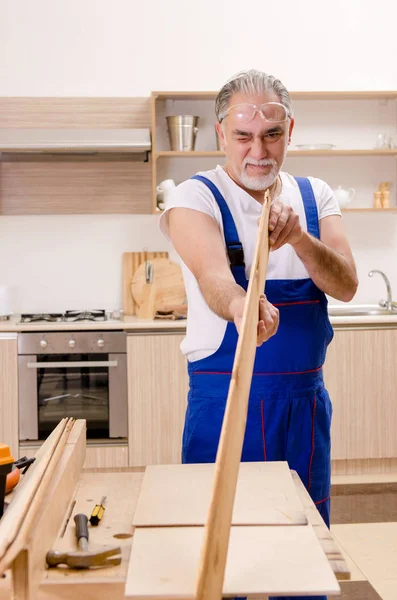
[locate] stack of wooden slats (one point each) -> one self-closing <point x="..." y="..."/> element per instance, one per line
<point x="31" y="522"/>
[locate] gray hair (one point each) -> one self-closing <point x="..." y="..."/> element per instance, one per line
<point x="251" y="82"/>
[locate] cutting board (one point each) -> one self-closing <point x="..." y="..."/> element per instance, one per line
<point x="131" y="262"/>
<point x="168" y="282"/>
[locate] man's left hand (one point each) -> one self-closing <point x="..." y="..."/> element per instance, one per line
<point x="284" y="225"/>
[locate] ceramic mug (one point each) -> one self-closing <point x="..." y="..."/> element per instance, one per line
<point x="163" y="190"/>
<point x="165" y="187"/>
<point x="344" y="195"/>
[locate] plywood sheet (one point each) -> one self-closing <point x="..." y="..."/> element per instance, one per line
<point x="261" y="560"/>
<point x="179" y="495"/>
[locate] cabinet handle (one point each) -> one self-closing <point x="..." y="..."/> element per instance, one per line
<point x="79" y="363"/>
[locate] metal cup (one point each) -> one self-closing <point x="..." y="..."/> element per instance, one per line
<point x="182" y="131"/>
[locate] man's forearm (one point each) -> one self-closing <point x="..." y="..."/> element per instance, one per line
<point x="332" y="272"/>
<point x="220" y="294"/>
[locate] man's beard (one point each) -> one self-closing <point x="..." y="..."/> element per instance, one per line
<point x="259" y="182"/>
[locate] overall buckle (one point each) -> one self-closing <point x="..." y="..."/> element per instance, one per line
<point x="236" y="255"/>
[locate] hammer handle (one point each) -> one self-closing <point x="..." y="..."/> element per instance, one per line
<point x="81" y="526"/>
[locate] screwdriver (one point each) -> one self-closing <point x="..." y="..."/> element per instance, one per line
<point x="98" y="511"/>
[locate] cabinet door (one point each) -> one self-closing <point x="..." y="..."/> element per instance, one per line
<point x="157" y="397"/>
<point x="360" y="375"/>
<point x="9" y="392"/>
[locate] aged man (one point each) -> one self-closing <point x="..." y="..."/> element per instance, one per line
<point x="212" y="221"/>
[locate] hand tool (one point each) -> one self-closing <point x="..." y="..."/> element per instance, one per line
<point x="6" y="462"/>
<point x="97" y="513"/>
<point x="19" y="467"/>
<point x="84" y="558"/>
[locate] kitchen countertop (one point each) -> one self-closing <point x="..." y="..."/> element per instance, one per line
<point x="134" y="324"/>
<point x="127" y="324"/>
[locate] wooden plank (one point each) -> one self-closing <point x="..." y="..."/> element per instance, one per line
<point x="179" y="495"/>
<point x="28" y="572"/>
<point x="261" y="560"/>
<point x="121" y="490"/>
<point x="24" y="495"/>
<point x="9" y="392"/>
<point x="325" y="537"/>
<point x="98" y="590"/>
<point x="217" y="530"/>
<point x="27" y="512"/>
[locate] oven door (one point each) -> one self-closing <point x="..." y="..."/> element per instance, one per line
<point x="83" y="386"/>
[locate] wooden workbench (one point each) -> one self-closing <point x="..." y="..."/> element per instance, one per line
<point x="121" y="489"/>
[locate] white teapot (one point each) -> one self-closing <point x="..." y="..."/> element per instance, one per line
<point x="344" y="195"/>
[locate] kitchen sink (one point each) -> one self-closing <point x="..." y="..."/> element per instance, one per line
<point x="360" y="311"/>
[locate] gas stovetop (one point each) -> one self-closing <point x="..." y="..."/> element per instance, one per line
<point x="71" y="316"/>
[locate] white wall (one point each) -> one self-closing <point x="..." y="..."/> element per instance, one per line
<point x="131" y="47"/>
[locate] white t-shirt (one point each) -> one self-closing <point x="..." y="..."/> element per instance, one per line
<point x="205" y="330"/>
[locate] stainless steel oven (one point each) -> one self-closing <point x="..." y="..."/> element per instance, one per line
<point x="81" y="374"/>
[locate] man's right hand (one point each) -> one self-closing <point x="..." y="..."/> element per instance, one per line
<point x="268" y="318"/>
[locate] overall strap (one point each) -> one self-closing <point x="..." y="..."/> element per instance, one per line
<point x="234" y="247"/>
<point x="310" y="206"/>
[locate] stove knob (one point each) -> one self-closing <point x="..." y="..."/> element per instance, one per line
<point x="43" y="343"/>
<point x="101" y="343"/>
<point x="72" y="343"/>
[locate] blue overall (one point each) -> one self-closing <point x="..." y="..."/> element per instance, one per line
<point x="289" y="412"/>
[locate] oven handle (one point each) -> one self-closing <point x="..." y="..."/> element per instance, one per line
<point x="77" y="363"/>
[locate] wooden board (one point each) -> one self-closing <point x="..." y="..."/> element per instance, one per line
<point x="217" y="530"/>
<point x="179" y="495"/>
<point x="167" y="281"/>
<point x="121" y="489"/>
<point x="14" y="519"/>
<point x="27" y="569"/>
<point x="261" y="560"/>
<point x="131" y="262"/>
<point x="324" y="535"/>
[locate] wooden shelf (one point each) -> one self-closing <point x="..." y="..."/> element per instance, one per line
<point x="337" y="152"/>
<point x="347" y="95"/>
<point x="162" y="104"/>
<point x="326" y="95"/>
<point x="392" y="209"/>
<point x="345" y="152"/>
<point x="184" y="95"/>
<point x="179" y="154"/>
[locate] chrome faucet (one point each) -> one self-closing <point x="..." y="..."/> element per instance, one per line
<point x="388" y="304"/>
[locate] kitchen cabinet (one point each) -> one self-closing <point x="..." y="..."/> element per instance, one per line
<point x="157" y="395"/>
<point x="9" y="392"/>
<point x="350" y="121"/>
<point x="97" y="456"/>
<point x="361" y="377"/>
<point x="75" y="182"/>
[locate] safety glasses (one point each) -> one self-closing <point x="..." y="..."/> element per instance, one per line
<point x="274" y="112"/>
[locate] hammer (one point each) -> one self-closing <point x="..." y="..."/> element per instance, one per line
<point x="83" y="558"/>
